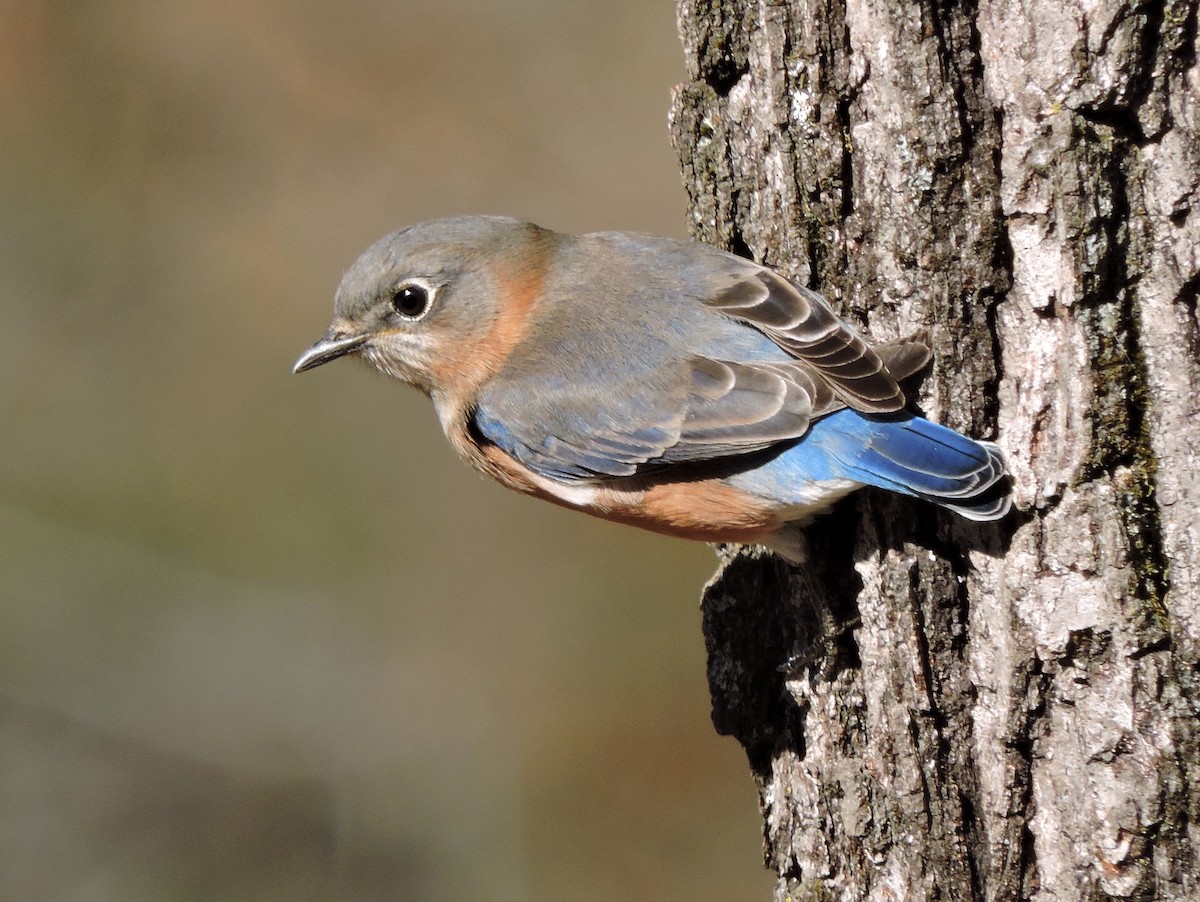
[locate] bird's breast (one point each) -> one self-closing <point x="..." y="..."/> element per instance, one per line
<point x="708" y="510"/>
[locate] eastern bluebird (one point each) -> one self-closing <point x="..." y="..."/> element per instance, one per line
<point x="651" y="381"/>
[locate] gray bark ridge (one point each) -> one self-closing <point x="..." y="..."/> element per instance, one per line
<point x="933" y="709"/>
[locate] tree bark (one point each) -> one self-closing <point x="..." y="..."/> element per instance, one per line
<point x="934" y="709"/>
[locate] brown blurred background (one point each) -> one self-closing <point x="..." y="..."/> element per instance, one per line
<point x="261" y="636"/>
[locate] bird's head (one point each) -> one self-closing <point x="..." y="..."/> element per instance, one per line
<point x="422" y="303"/>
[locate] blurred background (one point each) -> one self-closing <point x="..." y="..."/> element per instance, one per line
<point x="261" y="636"/>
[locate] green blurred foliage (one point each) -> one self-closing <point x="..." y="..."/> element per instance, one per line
<point x="261" y="636"/>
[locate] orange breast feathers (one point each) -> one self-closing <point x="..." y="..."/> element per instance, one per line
<point x="707" y="510"/>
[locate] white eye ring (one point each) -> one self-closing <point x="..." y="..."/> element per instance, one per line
<point x="412" y="299"/>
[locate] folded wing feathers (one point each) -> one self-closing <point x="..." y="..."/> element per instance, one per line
<point x="746" y="407"/>
<point x="904" y="358"/>
<point x="802" y="323"/>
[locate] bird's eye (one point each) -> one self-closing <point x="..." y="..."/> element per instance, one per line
<point x="410" y="301"/>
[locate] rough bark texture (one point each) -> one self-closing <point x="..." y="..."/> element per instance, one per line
<point x="935" y="710"/>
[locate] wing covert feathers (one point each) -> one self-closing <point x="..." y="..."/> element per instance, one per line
<point x="804" y="324"/>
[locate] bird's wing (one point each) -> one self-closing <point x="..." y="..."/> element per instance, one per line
<point x="803" y="323"/>
<point x="721" y="408"/>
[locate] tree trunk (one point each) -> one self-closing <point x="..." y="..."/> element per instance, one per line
<point x="934" y="709"/>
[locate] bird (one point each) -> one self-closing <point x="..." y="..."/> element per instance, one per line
<point x="651" y="381"/>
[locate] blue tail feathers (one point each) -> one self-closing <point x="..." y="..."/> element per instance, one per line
<point x="913" y="456"/>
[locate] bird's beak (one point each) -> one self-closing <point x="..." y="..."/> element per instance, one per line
<point x="331" y="347"/>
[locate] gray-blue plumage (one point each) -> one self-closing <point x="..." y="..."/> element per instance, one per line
<point x="649" y="380"/>
<point x="729" y="360"/>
